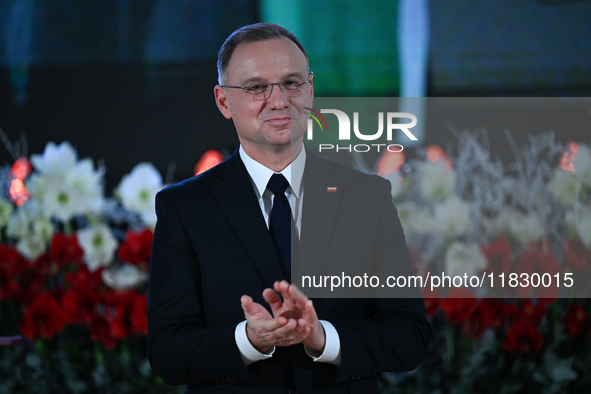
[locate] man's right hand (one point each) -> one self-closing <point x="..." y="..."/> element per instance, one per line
<point x="264" y="331"/>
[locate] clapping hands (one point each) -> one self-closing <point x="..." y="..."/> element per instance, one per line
<point x="293" y="320"/>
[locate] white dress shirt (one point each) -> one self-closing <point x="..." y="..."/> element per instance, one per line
<point x="260" y="176"/>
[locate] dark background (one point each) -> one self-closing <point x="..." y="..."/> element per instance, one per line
<point x="132" y="80"/>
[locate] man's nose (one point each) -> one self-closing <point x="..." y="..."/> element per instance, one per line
<point x="277" y="99"/>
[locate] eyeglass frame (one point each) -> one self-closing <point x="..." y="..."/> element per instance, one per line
<point x="272" y="86"/>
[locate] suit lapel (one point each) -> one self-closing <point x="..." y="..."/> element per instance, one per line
<point x="237" y="199"/>
<point x="321" y="206"/>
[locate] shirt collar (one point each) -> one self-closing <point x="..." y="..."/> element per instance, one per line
<point x="260" y="174"/>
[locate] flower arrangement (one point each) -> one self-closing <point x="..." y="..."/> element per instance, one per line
<point x="469" y="214"/>
<point x="74" y="266"/>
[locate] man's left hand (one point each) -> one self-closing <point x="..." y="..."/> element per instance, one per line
<point x="297" y="306"/>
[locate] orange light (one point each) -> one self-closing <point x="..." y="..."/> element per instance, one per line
<point x="21" y="169"/>
<point x="209" y="159"/>
<point x="390" y="162"/>
<point x="567" y="159"/>
<point x="18" y="192"/>
<point x="435" y="154"/>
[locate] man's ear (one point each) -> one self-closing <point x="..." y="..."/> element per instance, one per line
<point x="221" y="100"/>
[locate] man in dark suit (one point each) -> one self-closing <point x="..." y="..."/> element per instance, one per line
<point x="220" y="317"/>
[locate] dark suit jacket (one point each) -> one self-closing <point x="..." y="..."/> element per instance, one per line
<point x="211" y="246"/>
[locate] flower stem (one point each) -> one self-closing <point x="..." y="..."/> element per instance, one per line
<point x="41" y="349"/>
<point x="451" y="342"/>
<point x="68" y="228"/>
<point x="98" y="354"/>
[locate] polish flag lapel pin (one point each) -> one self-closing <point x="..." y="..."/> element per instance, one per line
<point x="331" y="189"/>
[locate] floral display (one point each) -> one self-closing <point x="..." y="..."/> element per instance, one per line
<point x="471" y="215"/>
<point x="74" y="268"/>
<point x="73" y="278"/>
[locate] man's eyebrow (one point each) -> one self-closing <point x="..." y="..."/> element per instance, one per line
<point x="285" y="76"/>
<point x="294" y="74"/>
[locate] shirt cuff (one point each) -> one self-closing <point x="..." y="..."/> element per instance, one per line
<point x="332" y="347"/>
<point x="247" y="351"/>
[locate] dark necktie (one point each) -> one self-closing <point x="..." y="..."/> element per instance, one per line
<point x="280" y="222"/>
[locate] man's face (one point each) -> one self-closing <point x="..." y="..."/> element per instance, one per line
<point x="266" y="125"/>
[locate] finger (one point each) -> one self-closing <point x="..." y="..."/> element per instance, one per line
<point x="309" y="313"/>
<point x="286" y="330"/>
<point x="296" y="336"/>
<point x="266" y="325"/>
<point x="282" y="288"/>
<point x="247" y="304"/>
<point x="302" y="335"/>
<point x="273" y="300"/>
<point x="295" y="292"/>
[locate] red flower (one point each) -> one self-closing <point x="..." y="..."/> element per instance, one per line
<point x="118" y="315"/>
<point x="532" y="313"/>
<point x="100" y="331"/>
<point x="43" y="317"/>
<point x="474" y="326"/>
<point x="432" y="301"/>
<point x="490" y="312"/>
<point x="79" y="304"/>
<point x="522" y="337"/>
<point x="126" y="313"/>
<point x="495" y="313"/>
<point x="83" y="278"/>
<point x="575" y="320"/>
<point x="137" y="247"/>
<point x="498" y="254"/>
<point x="31" y="284"/>
<point x="8" y="286"/>
<point x="576" y="256"/>
<point x="11" y="261"/>
<point x="46" y="265"/>
<point x="139" y="315"/>
<point x="66" y="249"/>
<point x="459" y="305"/>
<point x="537" y="259"/>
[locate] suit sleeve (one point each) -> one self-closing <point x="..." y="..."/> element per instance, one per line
<point x="183" y="348"/>
<point x="395" y="334"/>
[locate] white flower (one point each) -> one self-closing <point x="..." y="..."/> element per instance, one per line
<point x="55" y="159"/>
<point x="525" y="228"/>
<point x="88" y="184"/>
<point x="437" y="181"/>
<point x="462" y="258"/>
<point x="126" y="277"/>
<point x="98" y="244"/>
<point x="138" y="191"/>
<point x="396" y="182"/>
<point x="77" y="190"/>
<point x="413" y="218"/>
<point x="43" y="228"/>
<point x="452" y="217"/>
<point x="6" y="209"/>
<point x="18" y="225"/>
<point x="31" y="247"/>
<point x="580" y="220"/>
<point x="565" y="187"/>
<point x="582" y="164"/>
<point x="498" y="225"/>
<point x="61" y="201"/>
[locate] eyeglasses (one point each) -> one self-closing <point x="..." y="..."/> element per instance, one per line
<point x="262" y="91"/>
